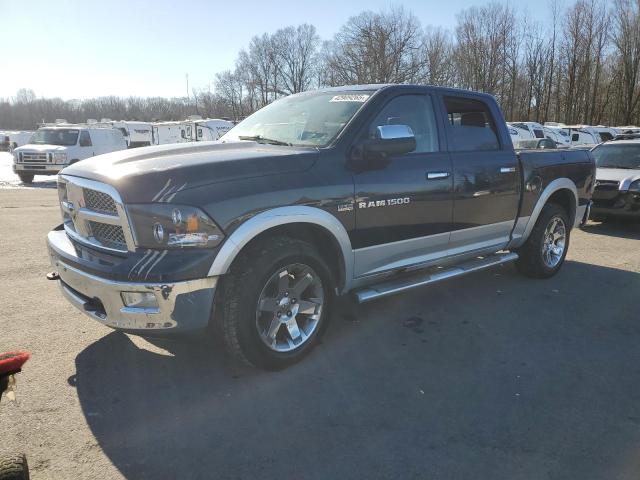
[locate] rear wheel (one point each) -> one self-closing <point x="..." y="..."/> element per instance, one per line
<point x="274" y="303"/>
<point x="14" y="467"/>
<point x="26" y="177"/>
<point x="544" y="252"/>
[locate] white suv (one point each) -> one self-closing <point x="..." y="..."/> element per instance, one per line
<point x="53" y="148"/>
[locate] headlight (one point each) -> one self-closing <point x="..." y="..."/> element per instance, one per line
<point x="160" y="225"/>
<point x="635" y="186"/>
<point x="59" y="157"/>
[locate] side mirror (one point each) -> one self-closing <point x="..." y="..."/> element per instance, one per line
<point x="392" y="140"/>
<point x="375" y="153"/>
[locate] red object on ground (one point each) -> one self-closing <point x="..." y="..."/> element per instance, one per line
<point x="11" y="362"/>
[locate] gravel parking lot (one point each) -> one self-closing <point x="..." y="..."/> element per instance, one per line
<point x="492" y="376"/>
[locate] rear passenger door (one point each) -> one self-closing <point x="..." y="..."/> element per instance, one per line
<point x="486" y="177"/>
<point x="404" y="208"/>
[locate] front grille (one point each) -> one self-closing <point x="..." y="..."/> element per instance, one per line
<point x="111" y="236"/>
<point x="34" y="157"/>
<point x="92" y="215"/>
<point x="99" y="202"/>
<point x="607" y="185"/>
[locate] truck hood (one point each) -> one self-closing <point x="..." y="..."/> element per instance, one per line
<point x="625" y="176"/>
<point x="142" y="174"/>
<point x="41" y="148"/>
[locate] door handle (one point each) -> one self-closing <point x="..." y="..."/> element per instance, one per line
<point x="507" y="169"/>
<point x="437" y="175"/>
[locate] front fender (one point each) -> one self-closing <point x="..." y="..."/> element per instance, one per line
<point x="282" y="216"/>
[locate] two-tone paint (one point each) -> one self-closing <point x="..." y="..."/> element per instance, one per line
<point x="421" y="209"/>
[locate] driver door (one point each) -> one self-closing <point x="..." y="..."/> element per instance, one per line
<point x="404" y="209"/>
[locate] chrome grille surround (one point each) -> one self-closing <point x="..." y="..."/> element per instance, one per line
<point x="93" y="214"/>
<point x="33" y="157"/>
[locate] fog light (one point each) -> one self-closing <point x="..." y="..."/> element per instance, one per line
<point x="139" y="299"/>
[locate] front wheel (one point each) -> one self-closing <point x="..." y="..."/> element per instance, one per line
<point x="26" y="177"/>
<point x="274" y="304"/>
<point x="544" y="252"/>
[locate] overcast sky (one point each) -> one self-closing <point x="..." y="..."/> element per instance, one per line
<point x="80" y="49"/>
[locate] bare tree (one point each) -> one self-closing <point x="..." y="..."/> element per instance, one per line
<point x="376" y="48"/>
<point x="296" y="53"/>
<point x="437" y="57"/>
<point x="626" y="39"/>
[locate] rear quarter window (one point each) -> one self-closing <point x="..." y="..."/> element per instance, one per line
<point x="471" y="125"/>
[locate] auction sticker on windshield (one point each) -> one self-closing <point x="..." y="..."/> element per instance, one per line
<point x="350" y="98"/>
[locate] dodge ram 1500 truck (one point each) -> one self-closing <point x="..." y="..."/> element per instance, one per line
<point x="362" y="190"/>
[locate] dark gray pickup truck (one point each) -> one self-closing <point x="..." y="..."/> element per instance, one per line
<point x="364" y="190"/>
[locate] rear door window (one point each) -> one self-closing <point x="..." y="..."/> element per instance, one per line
<point x="471" y="125"/>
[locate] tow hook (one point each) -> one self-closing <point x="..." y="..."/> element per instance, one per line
<point x="53" y="276"/>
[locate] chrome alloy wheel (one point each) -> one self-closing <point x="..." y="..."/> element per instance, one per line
<point x="289" y="307"/>
<point x="553" y="245"/>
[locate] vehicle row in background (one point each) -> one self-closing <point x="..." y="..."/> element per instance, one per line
<point x="566" y="136"/>
<point x="55" y="146"/>
<point x="143" y="134"/>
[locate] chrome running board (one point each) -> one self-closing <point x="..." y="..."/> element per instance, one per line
<point x="398" y="285"/>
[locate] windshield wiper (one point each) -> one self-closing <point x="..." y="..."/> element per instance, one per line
<point x="261" y="139"/>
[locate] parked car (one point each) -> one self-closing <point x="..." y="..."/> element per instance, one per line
<point x="165" y="133"/>
<point x="617" y="187"/>
<point x="539" y="143"/>
<point x="534" y="128"/>
<point x="518" y="133"/>
<point x="208" y="129"/>
<point x="626" y="136"/>
<point x="194" y="129"/>
<point x="363" y="190"/>
<point x="53" y="148"/>
<point x="136" y="134"/>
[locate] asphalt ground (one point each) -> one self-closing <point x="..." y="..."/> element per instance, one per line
<point x="491" y="376"/>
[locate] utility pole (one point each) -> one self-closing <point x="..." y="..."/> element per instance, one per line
<point x="187" y="76"/>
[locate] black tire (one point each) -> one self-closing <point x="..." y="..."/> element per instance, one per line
<point x="240" y="290"/>
<point x="531" y="262"/>
<point x="26" y="177"/>
<point x="14" y="467"/>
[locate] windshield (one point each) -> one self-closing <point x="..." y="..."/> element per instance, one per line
<point x="308" y="119"/>
<point x="57" y="136"/>
<point x="617" y="156"/>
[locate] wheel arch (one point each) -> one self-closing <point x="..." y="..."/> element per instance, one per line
<point x="307" y="223"/>
<point x="561" y="191"/>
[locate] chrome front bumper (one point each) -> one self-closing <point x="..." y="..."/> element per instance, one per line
<point x="182" y="306"/>
<point x="38" y="168"/>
